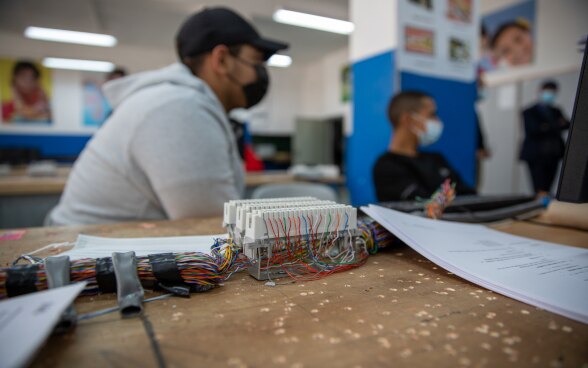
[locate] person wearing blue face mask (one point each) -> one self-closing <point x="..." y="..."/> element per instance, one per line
<point x="543" y="145"/>
<point x="403" y="172"/>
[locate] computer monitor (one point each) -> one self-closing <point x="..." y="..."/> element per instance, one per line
<point x="319" y="142"/>
<point x="573" y="180"/>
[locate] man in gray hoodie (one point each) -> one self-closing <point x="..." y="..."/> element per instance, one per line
<point x="168" y="151"/>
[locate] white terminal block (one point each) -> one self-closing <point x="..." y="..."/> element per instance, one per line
<point x="312" y="220"/>
<point x="243" y="210"/>
<point x="230" y="208"/>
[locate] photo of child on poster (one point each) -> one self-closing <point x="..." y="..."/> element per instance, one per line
<point x="507" y="37"/>
<point x="24" y="87"/>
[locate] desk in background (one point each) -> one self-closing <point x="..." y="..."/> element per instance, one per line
<point x="282" y="177"/>
<point x="26" y="200"/>
<point x="19" y="183"/>
<point x="398" y="309"/>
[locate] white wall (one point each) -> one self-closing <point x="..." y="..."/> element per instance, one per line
<point x="381" y="15"/>
<point x="560" y="25"/>
<point x="322" y="85"/>
<point x="275" y="115"/>
<point x="311" y="90"/>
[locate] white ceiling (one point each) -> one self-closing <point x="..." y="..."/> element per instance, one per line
<point x="153" y="23"/>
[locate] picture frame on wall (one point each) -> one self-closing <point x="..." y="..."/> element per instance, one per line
<point x="25" y="92"/>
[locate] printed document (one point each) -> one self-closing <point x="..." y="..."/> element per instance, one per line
<point x="26" y="321"/>
<point x="547" y="275"/>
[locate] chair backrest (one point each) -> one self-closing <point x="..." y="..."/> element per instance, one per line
<point x="320" y="191"/>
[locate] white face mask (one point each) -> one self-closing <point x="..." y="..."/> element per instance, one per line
<point x="432" y="133"/>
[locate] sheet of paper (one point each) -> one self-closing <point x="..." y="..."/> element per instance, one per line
<point x="547" y="275"/>
<point x="26" y="322"/>
<point x="96" y="247"/>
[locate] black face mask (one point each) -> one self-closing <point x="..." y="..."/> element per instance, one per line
<point x="255" y="91"/>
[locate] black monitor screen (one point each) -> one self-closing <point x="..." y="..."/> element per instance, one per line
<point x="573" y="181"/>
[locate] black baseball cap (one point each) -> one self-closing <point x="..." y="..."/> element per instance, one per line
<point x="210" y="27"/>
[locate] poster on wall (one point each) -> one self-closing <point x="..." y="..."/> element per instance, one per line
<point x="96" y="108"/>
<point x="438" y="38"/>
<point x="25" y="91"/>
<point x="508" y="37"/>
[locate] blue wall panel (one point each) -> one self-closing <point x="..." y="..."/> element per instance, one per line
<point x="455" y="105"/>
<point x="372" y="88"/>
<point x="50" y="145"/>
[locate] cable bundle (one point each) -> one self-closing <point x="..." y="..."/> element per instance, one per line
<point x="198" y="271"/>
<point x="375" y="235"/>
<point x="306" y="239"/>
<point x="314" y="254"/>
<point x="442" y="198"/>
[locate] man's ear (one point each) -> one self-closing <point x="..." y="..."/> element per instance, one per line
<point x="219" y="59"/>
<point x="404" y="120"/>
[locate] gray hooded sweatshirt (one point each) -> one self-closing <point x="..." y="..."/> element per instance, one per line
<point x="166" y="152"/>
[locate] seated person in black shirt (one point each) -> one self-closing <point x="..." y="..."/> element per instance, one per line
<point x="404" y="173"/>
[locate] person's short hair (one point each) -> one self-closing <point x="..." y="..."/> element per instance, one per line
<point x="407" y="101"/>
<point x="519" y="24"/>
<point x="195" y="62"/>
<point x="549" y="84"/>
<point x="24" y="65"/>
<point x="120" y="72"/>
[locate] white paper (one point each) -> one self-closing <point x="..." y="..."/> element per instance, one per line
<point x="96" y="247"/>
<point x="26" y="322"/>
<point x="547" y="275"/>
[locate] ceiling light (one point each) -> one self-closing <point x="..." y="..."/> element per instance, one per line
<point x="76" y="64"/>
<point x="60" y="35"/>
<point x="313" y="21"/>
<point x="280" y="61"/>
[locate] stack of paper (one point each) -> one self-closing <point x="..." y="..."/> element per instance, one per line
<point x="547" y="275"/>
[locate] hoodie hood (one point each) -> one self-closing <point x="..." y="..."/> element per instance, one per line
<point x="118" y="90"/>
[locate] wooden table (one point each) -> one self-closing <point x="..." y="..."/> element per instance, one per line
<point x="397" y="310"/>
<point x="25" y="201"/>
<point x="282" y="177"/>
<point x="18" y="183"/>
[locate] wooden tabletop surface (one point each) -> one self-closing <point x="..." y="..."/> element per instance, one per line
<point x="280" y="177"/>
<point x="19" y="183"/>
<point x="399" y="309"/>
